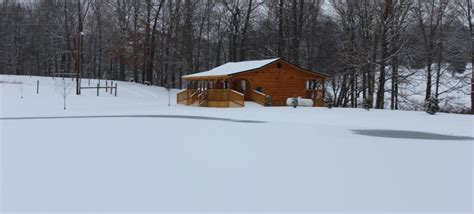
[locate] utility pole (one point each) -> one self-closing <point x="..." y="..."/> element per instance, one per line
<point x="78" y="49"/>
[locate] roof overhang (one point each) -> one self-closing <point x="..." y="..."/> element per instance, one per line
<point x="213" y="77"/>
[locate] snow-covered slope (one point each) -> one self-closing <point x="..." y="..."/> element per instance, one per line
<point x="135" y="153"/>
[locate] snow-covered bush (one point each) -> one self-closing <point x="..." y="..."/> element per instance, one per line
<point x="329" y="102"/>
<point x="431" y="105"/>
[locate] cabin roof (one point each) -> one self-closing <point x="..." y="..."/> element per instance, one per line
<point x="232" y="68"/>
<point x="228" y="69"/>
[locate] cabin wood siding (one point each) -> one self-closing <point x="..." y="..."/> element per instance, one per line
<point x="280" y="83"/>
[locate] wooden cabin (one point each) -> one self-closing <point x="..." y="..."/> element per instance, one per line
<point x="267" y="82"/>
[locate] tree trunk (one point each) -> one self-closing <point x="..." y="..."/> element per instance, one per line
<point x="469" y="17"/>
<point x="394" y="89"/>
<point x="428" y="80"/>
<point x="379" y="103"/>
<point x="78" y="49"/>
<point x="280" y="28"/>
<point x="99" y="26"/>
<point x="135" y="40"/>
<point x="67" y="37"/>
<point x="244" y="32"/>
<point x="149" y="72"/>
<point x="297" y="20"/>
<point x="146" y="48"/>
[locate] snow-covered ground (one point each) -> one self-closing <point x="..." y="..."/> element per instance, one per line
<point x="250" y="159"/>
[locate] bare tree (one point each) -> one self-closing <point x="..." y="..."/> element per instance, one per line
<point x="429" y="14"/>
<point x="467" y="11"/>
<point x="63" y="87"/>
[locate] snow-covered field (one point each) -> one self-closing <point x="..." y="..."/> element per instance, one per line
<point x="250" y="159"/>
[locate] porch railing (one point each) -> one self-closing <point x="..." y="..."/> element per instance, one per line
<point x="204" y="97"/>
<point x="185" y="96"/>
<point x="258" y="97"/>
<point x="182" y="96"/>
<point x="236" y="97"/>
<point x="225" y="95"/>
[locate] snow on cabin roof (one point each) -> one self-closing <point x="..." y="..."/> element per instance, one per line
<point x="233" y="68"/>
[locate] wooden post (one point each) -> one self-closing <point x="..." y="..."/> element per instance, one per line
<point x="111" y="85"/>
<point x="324" y="90"/>
<point x="89" y="82"/>
<point x="187" y="96"/>
<point x="106" y="85"/>
<point x="37" y="86"/>
<point x="115" y="89"/>
<point x="98" y="86"/>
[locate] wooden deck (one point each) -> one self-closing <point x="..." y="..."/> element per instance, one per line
<point x="230" y="98"/>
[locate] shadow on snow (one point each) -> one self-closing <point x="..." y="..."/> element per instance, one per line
<point x="386" y="133"/>
<point x="134" y="116"/>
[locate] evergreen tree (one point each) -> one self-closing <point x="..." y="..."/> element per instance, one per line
<point x="431" y="105"/>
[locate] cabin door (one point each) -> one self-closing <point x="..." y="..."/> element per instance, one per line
<point x="243" y="86"/>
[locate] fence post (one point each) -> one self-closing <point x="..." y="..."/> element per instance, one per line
<point x="115" y="89"/>
<point x="89" y="82"/>
<point x="37" y="86"/>
<point x="106" y="85"/>
<point x="98" y="84"/>
<point x="111" y="85"/>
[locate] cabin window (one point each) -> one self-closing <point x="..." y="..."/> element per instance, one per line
<point x="225" y="84"/>
<point x="242" y="85"/>
<point x="259" y="89"/>
<point x="309" y="84"/>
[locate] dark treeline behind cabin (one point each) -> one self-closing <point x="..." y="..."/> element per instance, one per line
<point x="368" y="47"/>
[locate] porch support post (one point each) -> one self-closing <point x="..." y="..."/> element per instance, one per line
<point x="187" y="92"/>
<point x="324" y="89"/>
<point x="214" y="84"/>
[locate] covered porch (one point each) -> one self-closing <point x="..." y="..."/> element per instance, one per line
<point x="220" y="92"/>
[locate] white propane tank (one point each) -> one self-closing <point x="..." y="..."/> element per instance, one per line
<point x="305" y="102"/>
<point x="300" y="102"/>
<point x="289" y="101"/>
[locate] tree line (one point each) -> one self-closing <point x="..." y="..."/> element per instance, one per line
<point x="365" y="45"/>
